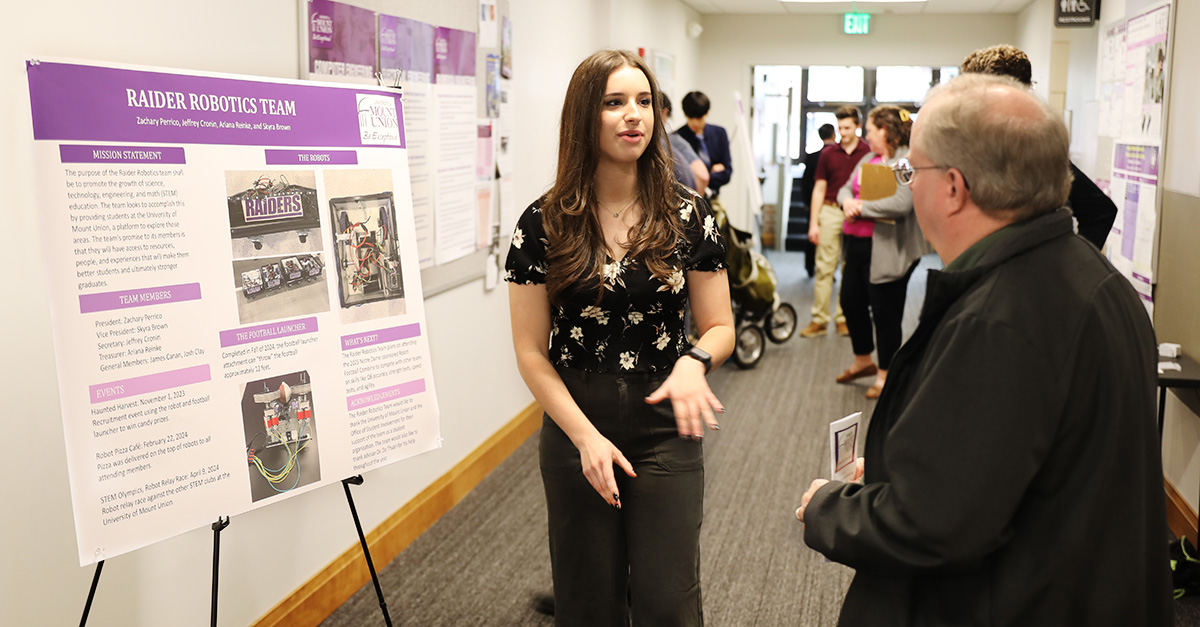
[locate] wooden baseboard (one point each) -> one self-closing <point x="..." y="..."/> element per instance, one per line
<point x="1180" y="517"/>
<point x="326" y="591"/>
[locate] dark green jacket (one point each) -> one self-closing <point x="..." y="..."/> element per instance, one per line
<point x="1013" y="474"/>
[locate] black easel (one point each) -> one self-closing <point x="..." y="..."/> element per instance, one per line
<point x="87" y="607"/>
<point x="222" y="522"/>
<point x="362" y="539"/>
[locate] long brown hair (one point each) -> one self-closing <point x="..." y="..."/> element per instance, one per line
<point x="576" y="251"/>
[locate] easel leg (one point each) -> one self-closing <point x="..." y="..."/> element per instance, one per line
<point x="221" y="523"/>
<point x="362" y="539"/>
<point x="1162" y="410"/>
<point x="87" y="607"/>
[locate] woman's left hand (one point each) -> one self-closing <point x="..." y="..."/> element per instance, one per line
<point x="852" y="207"/>
<point x="691" y="398"/>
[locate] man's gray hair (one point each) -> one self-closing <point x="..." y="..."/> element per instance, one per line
<point x="1017" y="166"/>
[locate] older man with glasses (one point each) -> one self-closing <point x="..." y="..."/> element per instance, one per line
<point x="1012" y="468"/>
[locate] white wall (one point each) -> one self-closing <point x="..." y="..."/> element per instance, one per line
<point x="478" y="387"/>
<point x="1035" y="36"/>
<point x="732" y="44"/>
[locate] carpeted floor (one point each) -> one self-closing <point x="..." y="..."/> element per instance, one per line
<point x="485" y="561"/>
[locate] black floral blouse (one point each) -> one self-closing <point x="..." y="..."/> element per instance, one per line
<point x="639" y="324"/>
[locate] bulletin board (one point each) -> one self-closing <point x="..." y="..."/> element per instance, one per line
<point x="1135" y="69"/>
<point x="462" y="185"/>
<point x="1177" y="290"/>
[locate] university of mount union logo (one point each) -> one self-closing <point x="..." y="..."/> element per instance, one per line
<point x="322" y="30"/>
<point x="378" y="122"/>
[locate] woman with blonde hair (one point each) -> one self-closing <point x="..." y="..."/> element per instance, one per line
<point x="882" y="243"/>
<point x="601" y="271"/>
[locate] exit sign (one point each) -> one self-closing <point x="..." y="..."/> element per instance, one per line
<point x="857" y="24"/>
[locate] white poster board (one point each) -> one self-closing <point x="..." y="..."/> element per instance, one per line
<point x="234" y="292"/>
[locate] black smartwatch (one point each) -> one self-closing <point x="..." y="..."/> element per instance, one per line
<point x="699" y="355"/>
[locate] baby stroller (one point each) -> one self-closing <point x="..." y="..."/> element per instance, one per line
<point x="759" y="315"/>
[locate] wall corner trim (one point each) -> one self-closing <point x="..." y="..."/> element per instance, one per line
<point x="1180" y="517"/>
<point x="327" y="590"/>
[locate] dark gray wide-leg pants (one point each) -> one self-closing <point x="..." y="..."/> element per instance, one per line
<point x="651" y="546"/>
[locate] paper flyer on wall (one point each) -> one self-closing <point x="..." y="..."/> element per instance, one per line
<point x="406" y="60"/>
<point x="1145" y="75"/>
<point x="454" y="101"/>
<point x="234" y="292"/>
<point x="1134" y="189"/>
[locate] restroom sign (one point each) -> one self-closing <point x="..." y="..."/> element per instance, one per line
<point x="1075" y="13"/>
<point x="857" y="24"/>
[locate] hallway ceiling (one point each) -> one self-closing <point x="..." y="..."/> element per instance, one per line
<point x="718" y="7"/>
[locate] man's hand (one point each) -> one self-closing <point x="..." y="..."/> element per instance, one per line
<point x="814" y="234"/>
<point x="859" y="471"/>
<point x="812" y="489"/>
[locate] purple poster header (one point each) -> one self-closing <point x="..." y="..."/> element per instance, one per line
<point x="341" y="40"/>
<point x="413" y="51"/>
<point x="100" y="104"/>
<point x="143" y="297"/>
<point x="454" y="52"/>
<point x="383" y="395"/>
<point x="310" y="157"/>
<point x="83" y="153"/>
<point x="382" y="336"/>
<point x="104" y="392"/>
<point x="264" y="332"/>
<point x="1140" y="159"/>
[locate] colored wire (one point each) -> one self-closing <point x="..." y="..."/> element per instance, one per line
<point x="276" y="476"/>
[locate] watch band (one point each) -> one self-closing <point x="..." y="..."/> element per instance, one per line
<point x="699" y="355"/>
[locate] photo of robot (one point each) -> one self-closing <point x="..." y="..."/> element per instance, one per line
<point x="270" y="288"/>
<point x="365" y="261"/>
<point x="366" y="248"/>
<point x="271" y="213"/>
<point x="281" y="435"/>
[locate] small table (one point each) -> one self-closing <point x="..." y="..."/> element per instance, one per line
<point x="1188" y="376"/>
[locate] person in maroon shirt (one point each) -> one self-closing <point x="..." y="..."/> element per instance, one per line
<point x="825" y="219"/>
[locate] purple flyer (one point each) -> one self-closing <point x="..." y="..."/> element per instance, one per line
<point x="405" y="45"/>
<point x="454" y="52"/>
<point x="341" y="40"/>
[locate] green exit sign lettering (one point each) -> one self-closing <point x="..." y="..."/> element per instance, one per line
<point x="857" y="24"/>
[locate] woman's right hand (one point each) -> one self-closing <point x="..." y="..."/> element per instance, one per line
<point x="597" y="456"/>
<point x="852" y="207"/>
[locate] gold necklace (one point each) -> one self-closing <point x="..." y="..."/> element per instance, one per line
<point x="617" y="214"/>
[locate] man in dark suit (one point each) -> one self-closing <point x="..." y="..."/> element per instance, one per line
<point x="710" y="141"/>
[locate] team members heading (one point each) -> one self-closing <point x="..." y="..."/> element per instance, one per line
<point x="154" y="99"/>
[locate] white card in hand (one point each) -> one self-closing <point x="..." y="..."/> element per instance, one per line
<point x="844" y="438"/>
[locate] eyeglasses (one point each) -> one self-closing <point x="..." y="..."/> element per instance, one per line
<point x="905" y="172"/>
